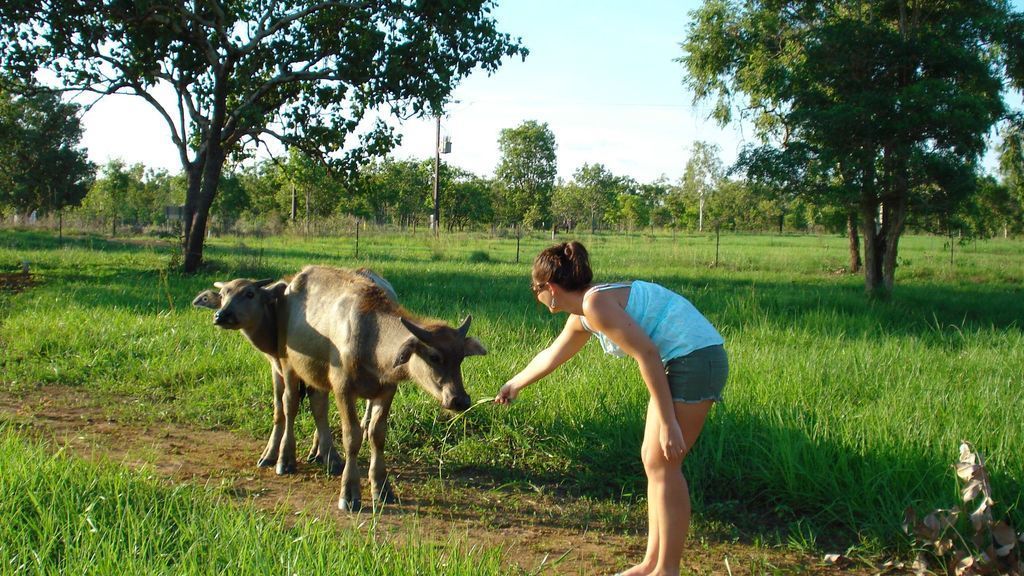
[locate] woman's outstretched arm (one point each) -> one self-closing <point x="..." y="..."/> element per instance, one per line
<point x="565" y="346"/>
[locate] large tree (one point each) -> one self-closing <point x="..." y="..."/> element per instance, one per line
<point x="889" y="97"/>
<point x="108" y="199"/>
<point x="42" y="164"/>
<point x="1011" y="157"/>
<point x="568" y="205"/>
<point x="303" y="72"/>
<point x="465" y="198"/>
<point x="397" y="190"/>
<point x="526" y="172"/>
<point x="703" y="174"/>
<point x="599" y="188"/>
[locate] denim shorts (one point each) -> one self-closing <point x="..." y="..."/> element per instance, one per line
<point x="698" y="376"/>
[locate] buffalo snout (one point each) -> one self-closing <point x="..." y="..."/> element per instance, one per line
<point x="456" y="402"/>
<point x="224" y="318"/>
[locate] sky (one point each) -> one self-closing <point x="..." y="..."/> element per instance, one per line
<point x="601" y="73"/>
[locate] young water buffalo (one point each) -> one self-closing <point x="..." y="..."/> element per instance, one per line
<point x="251" y="307"/>
<point x="256" y="317"/>
<point x="342" y="332"/>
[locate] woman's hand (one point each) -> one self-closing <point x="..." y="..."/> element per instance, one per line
<point x="673" y="446"/>
<point x="507" y="394"/>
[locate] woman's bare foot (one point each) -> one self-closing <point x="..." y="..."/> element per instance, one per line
<point x="642" y="569"/>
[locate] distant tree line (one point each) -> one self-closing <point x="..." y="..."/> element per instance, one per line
<point x="298" y="194"/>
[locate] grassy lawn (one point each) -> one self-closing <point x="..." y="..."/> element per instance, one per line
<point x="840" y="411"/>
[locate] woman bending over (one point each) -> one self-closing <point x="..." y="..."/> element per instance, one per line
<point x="681" y="359"/>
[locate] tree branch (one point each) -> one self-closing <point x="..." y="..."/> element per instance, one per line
<point x="262" y="32"/>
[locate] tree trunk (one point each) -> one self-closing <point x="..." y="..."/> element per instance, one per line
<point x="873" y="248"/>
<point x="894" y="215"/>
<point x="193" y="172"/>
<point x="518" y="235"/>
<point x="196" y="237"/>
<point x="881" y="241"/>
<point x="892" y="240"/>
<point x="851" y="232"/>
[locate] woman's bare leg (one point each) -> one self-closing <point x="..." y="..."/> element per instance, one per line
<point x="672" y="492"/>
<point x="649" y="447"/>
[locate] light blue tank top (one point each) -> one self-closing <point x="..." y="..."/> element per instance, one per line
<point x="674" y="324"/>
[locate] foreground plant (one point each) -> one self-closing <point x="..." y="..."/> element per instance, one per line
<point x="966" y="540"/>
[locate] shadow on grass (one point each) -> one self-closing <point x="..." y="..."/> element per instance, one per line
<point x="915" y="309"/>
<point x="859" y="498"/>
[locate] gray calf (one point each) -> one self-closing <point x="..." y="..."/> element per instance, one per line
<point x="256" y="317"/>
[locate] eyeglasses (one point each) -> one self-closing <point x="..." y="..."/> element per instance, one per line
<point x="538" y="287"/>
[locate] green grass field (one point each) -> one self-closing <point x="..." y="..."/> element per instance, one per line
<point x="63" y="516"/>
<point x="840" y="411"/>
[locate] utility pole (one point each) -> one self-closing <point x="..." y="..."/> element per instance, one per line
<point x="294" y="204"/>
<point x="435" y="222"/>
<point x="700" y="216"/>
<point x="435" y="218"/>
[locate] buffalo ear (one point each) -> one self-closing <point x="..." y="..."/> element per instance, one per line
<point x="218" y="285"/>
<point x="277" y="289"/>
<point x="405" y="352"/>
<point x="474" y="348"/>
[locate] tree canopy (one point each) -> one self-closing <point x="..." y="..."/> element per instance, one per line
<point x="42" y="164"/>
<point x="527" y="171"/>
<point x="306" y="73"/>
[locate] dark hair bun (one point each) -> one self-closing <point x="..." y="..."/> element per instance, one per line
<point x="566" y="264"/>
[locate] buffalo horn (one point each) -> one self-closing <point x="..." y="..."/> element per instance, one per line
<point x="464" y="329"/>
<point x="416" y="331"/>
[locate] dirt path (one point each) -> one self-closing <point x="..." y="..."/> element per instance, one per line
<point x="542" y="533"/>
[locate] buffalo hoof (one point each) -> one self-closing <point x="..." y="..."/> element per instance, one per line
<point x="285" y="468"/>
<point x="267" y="462"/>
<point x="335" y="466"/>
<point x="385" y="496"/>
<point x="349" y="506"/>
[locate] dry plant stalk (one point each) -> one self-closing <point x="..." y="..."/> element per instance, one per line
<point x="966" y="540"/>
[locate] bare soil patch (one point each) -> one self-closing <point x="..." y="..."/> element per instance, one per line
<point x="543" y="533"/>
<point x="16" y="282"/>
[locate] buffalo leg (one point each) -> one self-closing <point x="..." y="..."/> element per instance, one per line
<point x="323" y="450"/>
<point x="269" y="457"/>
<point x="290" y="401"/>
<point x="378" y="429"/>
<point x="352" y="439"/>
<point x="365" y="424"/>
<point x="314" y="447"/>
